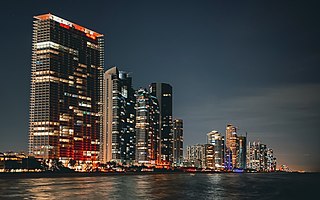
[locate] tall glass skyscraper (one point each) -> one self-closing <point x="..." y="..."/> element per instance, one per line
<point x="177" y="142"/>
<point x="242" y="140"/>
<point x="163" y="92"/>
<point x="66" y="90"/>
<point x="147" y="128"/>
<point x="118" y="138"/>
<point x="232" y="144"/>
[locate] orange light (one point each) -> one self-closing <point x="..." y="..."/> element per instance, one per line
<point x="90" y="36"/>
<point x="64" y="26"/>
<point x="67" y="24"/>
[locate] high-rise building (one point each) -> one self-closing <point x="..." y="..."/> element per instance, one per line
<point x="253" y="155"/>
<point x="263" y="157"/>
<point x="66" y="90"/>
<point x="215" y="138"/>
<point x="147" y="128"/>
<point x="271" y="161"/>
<point x="232" y="143"/>
<point x="230" y="131"/>
<point x="177" y="142"/>
<point x="209" y="156"/>
<point x="118" y="138"/>
<point x="242" y="141"/>
<point x="163" y="92"/>
<point x="228" y="160"/>
<point x="196" y="155"/>
<point x="260" y="158"/>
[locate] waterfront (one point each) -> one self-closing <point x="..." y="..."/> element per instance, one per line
<point x="165" y="186"/>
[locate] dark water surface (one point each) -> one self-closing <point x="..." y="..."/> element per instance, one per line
<point x="166" y="186"/>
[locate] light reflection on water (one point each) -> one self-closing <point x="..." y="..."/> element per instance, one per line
<point x="163" y="186"/>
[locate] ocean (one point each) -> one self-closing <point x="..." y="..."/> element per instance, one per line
<point x="166" y="186"/>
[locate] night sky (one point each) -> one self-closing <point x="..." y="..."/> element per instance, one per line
<point x="253" y="64"/>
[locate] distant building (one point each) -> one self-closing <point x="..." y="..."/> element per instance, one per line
<point x="177" y="142"/>
<point x="195" y="156"/>
<point x="147" y="128"/>
<point x="228" y="160"/>
<point x="263" y="157"/>
<point x="232" y="144"/>
<point x="19" y="162"/>
<point x="66" y="81"/>
<point x="260" y="158"/>
<point x="271" y="161"/>
<point x="253" y="155"/>
<point x="118" y="138"/>
<point x="230" y="131"/>
<point x="242" y="141"/>
<point x="163" y="92"/>
<point x="209" y="156"/>
<point x="215" y="138"/>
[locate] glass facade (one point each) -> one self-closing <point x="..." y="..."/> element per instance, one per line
<point x="242" y="152"/>
<point x="196" y="155"/>
<point x="177" y="142"/>
<point x="260" y="158"/>
<point x="163" y="92"/>
<point x="215" y="138"/>
<point x="118" y="138"/>
<point x="147" y="128"/>
<point x="66" y="86"/>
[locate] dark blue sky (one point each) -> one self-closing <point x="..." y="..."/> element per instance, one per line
<point x="254" y="64"/>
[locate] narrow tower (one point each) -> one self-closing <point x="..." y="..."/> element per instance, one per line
<point x="118" y="138"/>
<point x="163" y="92"/>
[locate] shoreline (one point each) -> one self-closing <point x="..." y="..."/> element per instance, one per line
<point x="26" y="175"/>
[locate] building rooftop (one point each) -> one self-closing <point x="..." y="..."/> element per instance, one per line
<point x="67" y="24"/>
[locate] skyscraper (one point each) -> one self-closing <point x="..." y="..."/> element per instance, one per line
<point x="232" y="144"/>
<point x="242" y="140"/>
<point x="271" y="161"/>
<point x="163" y="92"/>
<point x="230" y="131"/>
<point x="66" y="87"/>
<point x="209" y="156"/>
<point x="196" y="155"/>
<point x="260" y="158"/>
<point x="147" y="128"/>
<point x="177" y="142"/>
<point x="215" y="138"/>
<point x="118" y="138"/>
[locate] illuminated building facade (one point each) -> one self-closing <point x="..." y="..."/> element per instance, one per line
<point x="228" y="160"/>
<point x="253" y="155"/>
<point x="147" y="128"/>
<point x="118" y="138"/>
<point x="215" y="138"/>
<point x="196" y="155"/>
<point x="232" y="143"/>
<point x="230" y="131"/>
<point x="271" y="161"/>
<point x="263" y="157"/>
<point x="66" y="90"/>
<point x="260" y="158"/>
<point x="177" y="142"/>
<point x="242" y="141"/>
<point x="163" y="92"/>
<point x="209" y="156"/>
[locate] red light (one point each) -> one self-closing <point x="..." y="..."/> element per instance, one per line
<point x="64" y="26"/>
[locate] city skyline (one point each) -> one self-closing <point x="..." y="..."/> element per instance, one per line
<point x="277" y="108"/>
